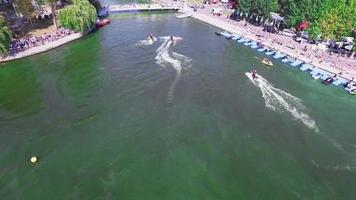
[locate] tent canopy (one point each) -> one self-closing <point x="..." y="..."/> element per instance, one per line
<point x="276" y="16"/>
<point x="303" y="25"/>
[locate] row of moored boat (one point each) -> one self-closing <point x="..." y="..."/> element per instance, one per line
<point x="315" y="72"/>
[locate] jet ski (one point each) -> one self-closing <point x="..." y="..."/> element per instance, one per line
<point x="252" y="74"/>
<point x="267" y="62"/>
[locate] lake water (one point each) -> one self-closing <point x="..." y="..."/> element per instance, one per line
<point x="111" y="117"/>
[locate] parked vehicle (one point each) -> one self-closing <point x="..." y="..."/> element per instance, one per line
<point x="300" y="39"/>
<point x="217" y="11"/>
<point x="288" y="32"/>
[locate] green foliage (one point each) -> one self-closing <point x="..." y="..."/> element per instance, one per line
<point x="335" y="18"/>
<point x="314" y="32"/>
<point x="330" y="19"/>
<point x="5" y="36"/>
<point x="80" y="17"/>
<point x="260" y="7"/>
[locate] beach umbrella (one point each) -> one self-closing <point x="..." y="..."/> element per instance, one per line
<point x="241" y="13"/>
<point x="256" y="19"/>
<point x="261" y="20"/>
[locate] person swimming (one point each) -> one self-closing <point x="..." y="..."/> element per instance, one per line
<point x="171" y="38"/>
<point x="151" y="36"/>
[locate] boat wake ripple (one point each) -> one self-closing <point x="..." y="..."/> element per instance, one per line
<point x="281" y="101"/>
<point x="165" y="56"/>
<point x="146" y="42"/>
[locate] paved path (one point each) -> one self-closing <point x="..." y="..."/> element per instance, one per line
<point x="42" y="48"/>
<point x="140" y="7"/>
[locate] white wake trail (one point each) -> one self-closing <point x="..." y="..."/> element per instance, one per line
<point x="146" y="42"/>
<point x="280" y="101"/>
<point x="167" y="57"/>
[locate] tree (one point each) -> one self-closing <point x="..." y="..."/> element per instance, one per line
<point x="80" y="17"/>
<point x="96" y="4"/>
<point x="5" y="36"/>
<point x="25" y="7"/>
<point x="52" y="3"/>
<point x="265" y="7"/>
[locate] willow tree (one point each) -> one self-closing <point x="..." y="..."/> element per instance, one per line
<point x="5" y="35"/>
<point x="80" y="17"/>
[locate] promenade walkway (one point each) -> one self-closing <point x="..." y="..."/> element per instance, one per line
<point x="42" y="48"/>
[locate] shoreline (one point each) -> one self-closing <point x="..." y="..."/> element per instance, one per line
<point x="43" y="48"/>
<point x="221" y="24"/>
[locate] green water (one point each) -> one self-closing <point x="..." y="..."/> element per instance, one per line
<point x="98" y="114"/>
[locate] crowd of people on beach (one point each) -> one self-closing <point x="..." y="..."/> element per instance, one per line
<point x="19" y="45"/>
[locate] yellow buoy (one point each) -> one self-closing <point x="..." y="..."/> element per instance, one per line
<point x="34" y="159"/>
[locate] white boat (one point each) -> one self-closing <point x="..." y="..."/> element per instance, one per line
<point x="317" y="76"/>
<point x="351" y="90"/>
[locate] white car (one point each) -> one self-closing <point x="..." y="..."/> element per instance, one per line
<point x="288" y="32"/>
<point x="217" y="11"/>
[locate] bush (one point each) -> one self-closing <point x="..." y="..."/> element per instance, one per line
<point x="5" y="36"/>
<point x="80" y="17"/>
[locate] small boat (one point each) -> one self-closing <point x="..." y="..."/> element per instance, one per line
<point x="267" y="62"/>
<point x="328" y="81"/>
<point x="352" y="92"/>
<point x="103" y="22"/>
<point x="218" y="33"/>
